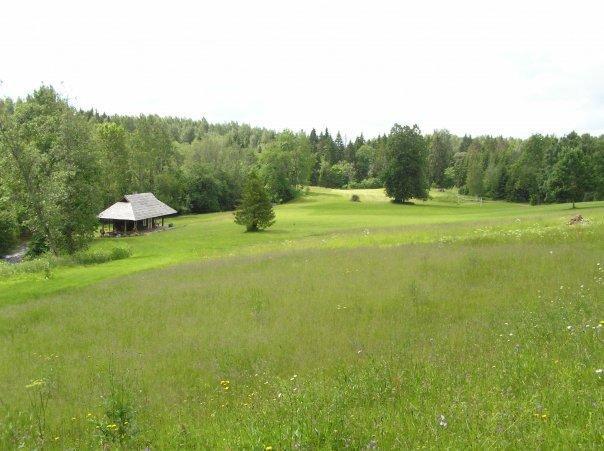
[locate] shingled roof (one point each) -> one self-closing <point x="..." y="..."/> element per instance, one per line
<point x="136" y="207"/>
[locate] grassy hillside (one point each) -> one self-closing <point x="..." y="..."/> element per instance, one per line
<point x="323" y="219"/>
<point x="349" y="324"/>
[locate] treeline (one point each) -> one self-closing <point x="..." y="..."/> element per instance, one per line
<point x="540" y="169"/>
<point x="59" y="166"/>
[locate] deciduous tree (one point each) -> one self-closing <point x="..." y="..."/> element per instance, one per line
<point x="570" y="177"/>
<point x="405" y="172"/>
<point x="55" y="170"/>
<point x="439" y="158"/>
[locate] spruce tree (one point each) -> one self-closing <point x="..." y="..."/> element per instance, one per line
<point x="256" y="211"/>
<point x="339" y="148"/>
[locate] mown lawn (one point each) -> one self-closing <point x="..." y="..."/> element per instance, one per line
<point x="349" y="325"/>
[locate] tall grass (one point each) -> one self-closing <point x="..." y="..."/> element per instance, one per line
<point x="46" y="263"/>
<point x="322" y="219"/>
<point x="494" y="343"/>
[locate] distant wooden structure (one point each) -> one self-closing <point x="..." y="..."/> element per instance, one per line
<point x="134" y="213"/>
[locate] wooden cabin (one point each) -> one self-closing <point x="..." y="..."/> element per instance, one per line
<point x="135" y="213"/>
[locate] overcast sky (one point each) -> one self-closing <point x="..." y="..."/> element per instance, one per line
<point x="502" y="68"/>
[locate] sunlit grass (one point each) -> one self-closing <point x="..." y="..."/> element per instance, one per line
<point x="430" y="325"/>
<point x="323" y="218"/>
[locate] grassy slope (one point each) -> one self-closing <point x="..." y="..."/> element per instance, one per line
<point x="325" y="218"/>
<point x="331" y="344"/>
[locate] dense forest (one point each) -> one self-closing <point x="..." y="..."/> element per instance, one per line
<point x="60" y="166"/>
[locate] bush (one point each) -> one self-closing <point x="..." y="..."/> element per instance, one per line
<point x="120" y="253"/>
<point x="101" y="255"/>
<point x="368" y="183"/>
<point x="338" y="175"/>
<point x="38" y="245"/>
<point x="118" y="424"/>
<point x="43" y="264"/>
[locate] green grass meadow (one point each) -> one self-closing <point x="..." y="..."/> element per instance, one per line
<point x="445" y="324"/>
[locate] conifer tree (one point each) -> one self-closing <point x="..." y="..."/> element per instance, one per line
<point x="256" y="211"/>
<point x="339" y="148"/>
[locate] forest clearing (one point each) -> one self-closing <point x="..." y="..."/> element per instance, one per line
<point x="346" y="324"/>
<point x="302" y="225"/>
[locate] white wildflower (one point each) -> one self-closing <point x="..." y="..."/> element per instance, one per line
<point x="442" y="421"/>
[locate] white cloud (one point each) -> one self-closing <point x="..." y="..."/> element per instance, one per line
<point x="511" y="68"/>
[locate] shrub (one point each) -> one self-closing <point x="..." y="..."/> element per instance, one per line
<point x="117" y="425"/>
<point x="335" y="176"/>
<point x="38" y="245"/>
<point x="368" y="183"/>
<point x="42" y="264"/>
<point x="120" y="253"/>
<point x="101" y="255"/>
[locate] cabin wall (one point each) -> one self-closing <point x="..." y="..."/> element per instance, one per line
<point x="122" y="226"/>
